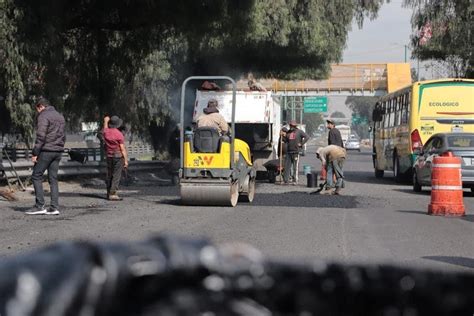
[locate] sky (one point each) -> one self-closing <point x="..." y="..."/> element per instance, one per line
<point x="383" y="39"/>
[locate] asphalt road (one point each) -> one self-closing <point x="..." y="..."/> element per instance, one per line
<point x="374" y="221"/>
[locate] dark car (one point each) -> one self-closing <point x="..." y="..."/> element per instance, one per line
<point x="460" y="144"/>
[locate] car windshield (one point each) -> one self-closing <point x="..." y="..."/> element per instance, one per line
<point x="461" y="141"/>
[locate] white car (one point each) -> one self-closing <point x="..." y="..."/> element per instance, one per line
<point x="353" y="144"/>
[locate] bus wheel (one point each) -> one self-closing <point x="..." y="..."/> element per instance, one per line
<point x="378" y="173"/>
<point x="416" y="184"/>
<point x="396" y="170"/>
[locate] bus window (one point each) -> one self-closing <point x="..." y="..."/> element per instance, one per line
<point x="397" y="111"/>
<point x="386" y="117"/>
<point x="408" y="104"/>
<point x="404" y="111"/>
<point x="392" y="112"/>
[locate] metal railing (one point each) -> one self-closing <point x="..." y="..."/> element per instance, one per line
<point x="72" y="168"/>
<point x="92" y="154"/>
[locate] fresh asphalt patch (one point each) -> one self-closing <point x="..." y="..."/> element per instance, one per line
<point x="304" y="199"/>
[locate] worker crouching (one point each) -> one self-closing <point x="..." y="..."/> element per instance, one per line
<point x="333" y="158"/>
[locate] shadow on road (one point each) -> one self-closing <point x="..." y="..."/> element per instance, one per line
<point x="468" y="217"/>
<point x="410" y="191"/>
<point x="94" y="195"/>
<point x="424" y="212"/>
<point x="428" y="192"/>
<point x="175" y="202"/>
<point x="459" y="261"/>
<point x="367" y="177"/>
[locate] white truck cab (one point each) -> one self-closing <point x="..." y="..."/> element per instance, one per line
<point x="257" y="119"/>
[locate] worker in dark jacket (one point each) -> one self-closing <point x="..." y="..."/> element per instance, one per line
<point x="294" y="139"/>
<point x="47" y="152"/>
<point x="334" y="136"/>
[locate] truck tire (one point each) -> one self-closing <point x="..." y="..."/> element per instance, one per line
<point x="174" y="179"/>
<point x="396" y="170"/>
<point x="378" y="173"/>
<point x="416" y="185"/>
<point x="249" y="195"/>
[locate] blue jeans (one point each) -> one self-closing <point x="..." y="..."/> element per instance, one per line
<point x="291" y="166"/>
<point x="46" y="161"/>
<point x="335" y="168"/>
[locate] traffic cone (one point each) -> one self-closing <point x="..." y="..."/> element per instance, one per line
<point x="446" y="186"/>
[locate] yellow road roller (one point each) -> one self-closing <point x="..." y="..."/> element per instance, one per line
<point x="215" y="169"/>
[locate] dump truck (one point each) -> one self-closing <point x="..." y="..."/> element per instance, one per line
<point x="257" y="120"/>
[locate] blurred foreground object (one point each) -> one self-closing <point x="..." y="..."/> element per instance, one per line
<point x="8" y="195"/>
<point x="173" y="276"/>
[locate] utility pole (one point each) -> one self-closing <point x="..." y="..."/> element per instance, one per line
<point x="417" y="62"/>
<point x="418" y="70"/>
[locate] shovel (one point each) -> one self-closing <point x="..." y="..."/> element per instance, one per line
<point x="321" y="187"/>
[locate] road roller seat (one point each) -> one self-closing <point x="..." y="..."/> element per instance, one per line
<point x="206" y="140"/>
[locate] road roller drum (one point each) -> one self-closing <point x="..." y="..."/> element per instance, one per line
<point x="199" y="192"/>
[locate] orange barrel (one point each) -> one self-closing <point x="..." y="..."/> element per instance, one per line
<point x="446" y="186"/>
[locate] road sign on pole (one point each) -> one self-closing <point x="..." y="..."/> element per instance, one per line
<point x="315" y="104"/>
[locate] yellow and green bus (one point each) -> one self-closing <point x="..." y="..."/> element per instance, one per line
<point x="406" y="118"/>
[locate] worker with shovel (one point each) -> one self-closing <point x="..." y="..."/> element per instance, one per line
<point x="295" y="140"/>
<point x="333" y="157"/>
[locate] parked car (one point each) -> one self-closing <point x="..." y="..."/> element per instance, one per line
<point x="353" y="143"/>
<point x="460" y="144"/>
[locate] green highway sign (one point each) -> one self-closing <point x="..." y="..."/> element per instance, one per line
<point x="356" y="119"/>
<point x="315" y="104"/>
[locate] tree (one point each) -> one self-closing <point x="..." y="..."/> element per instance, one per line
<point x="93" y="57"/>
<point x="312" y="122"/>
<point x="12" y="73"/>
<point x="338" y="114"/>
<point x="443" y="30"/>
<point x="362" y="108"/>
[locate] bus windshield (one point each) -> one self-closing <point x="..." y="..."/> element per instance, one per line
<point x="444" y="107"/>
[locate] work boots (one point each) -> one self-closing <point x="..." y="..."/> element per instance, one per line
<point x="114" y="197"/>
